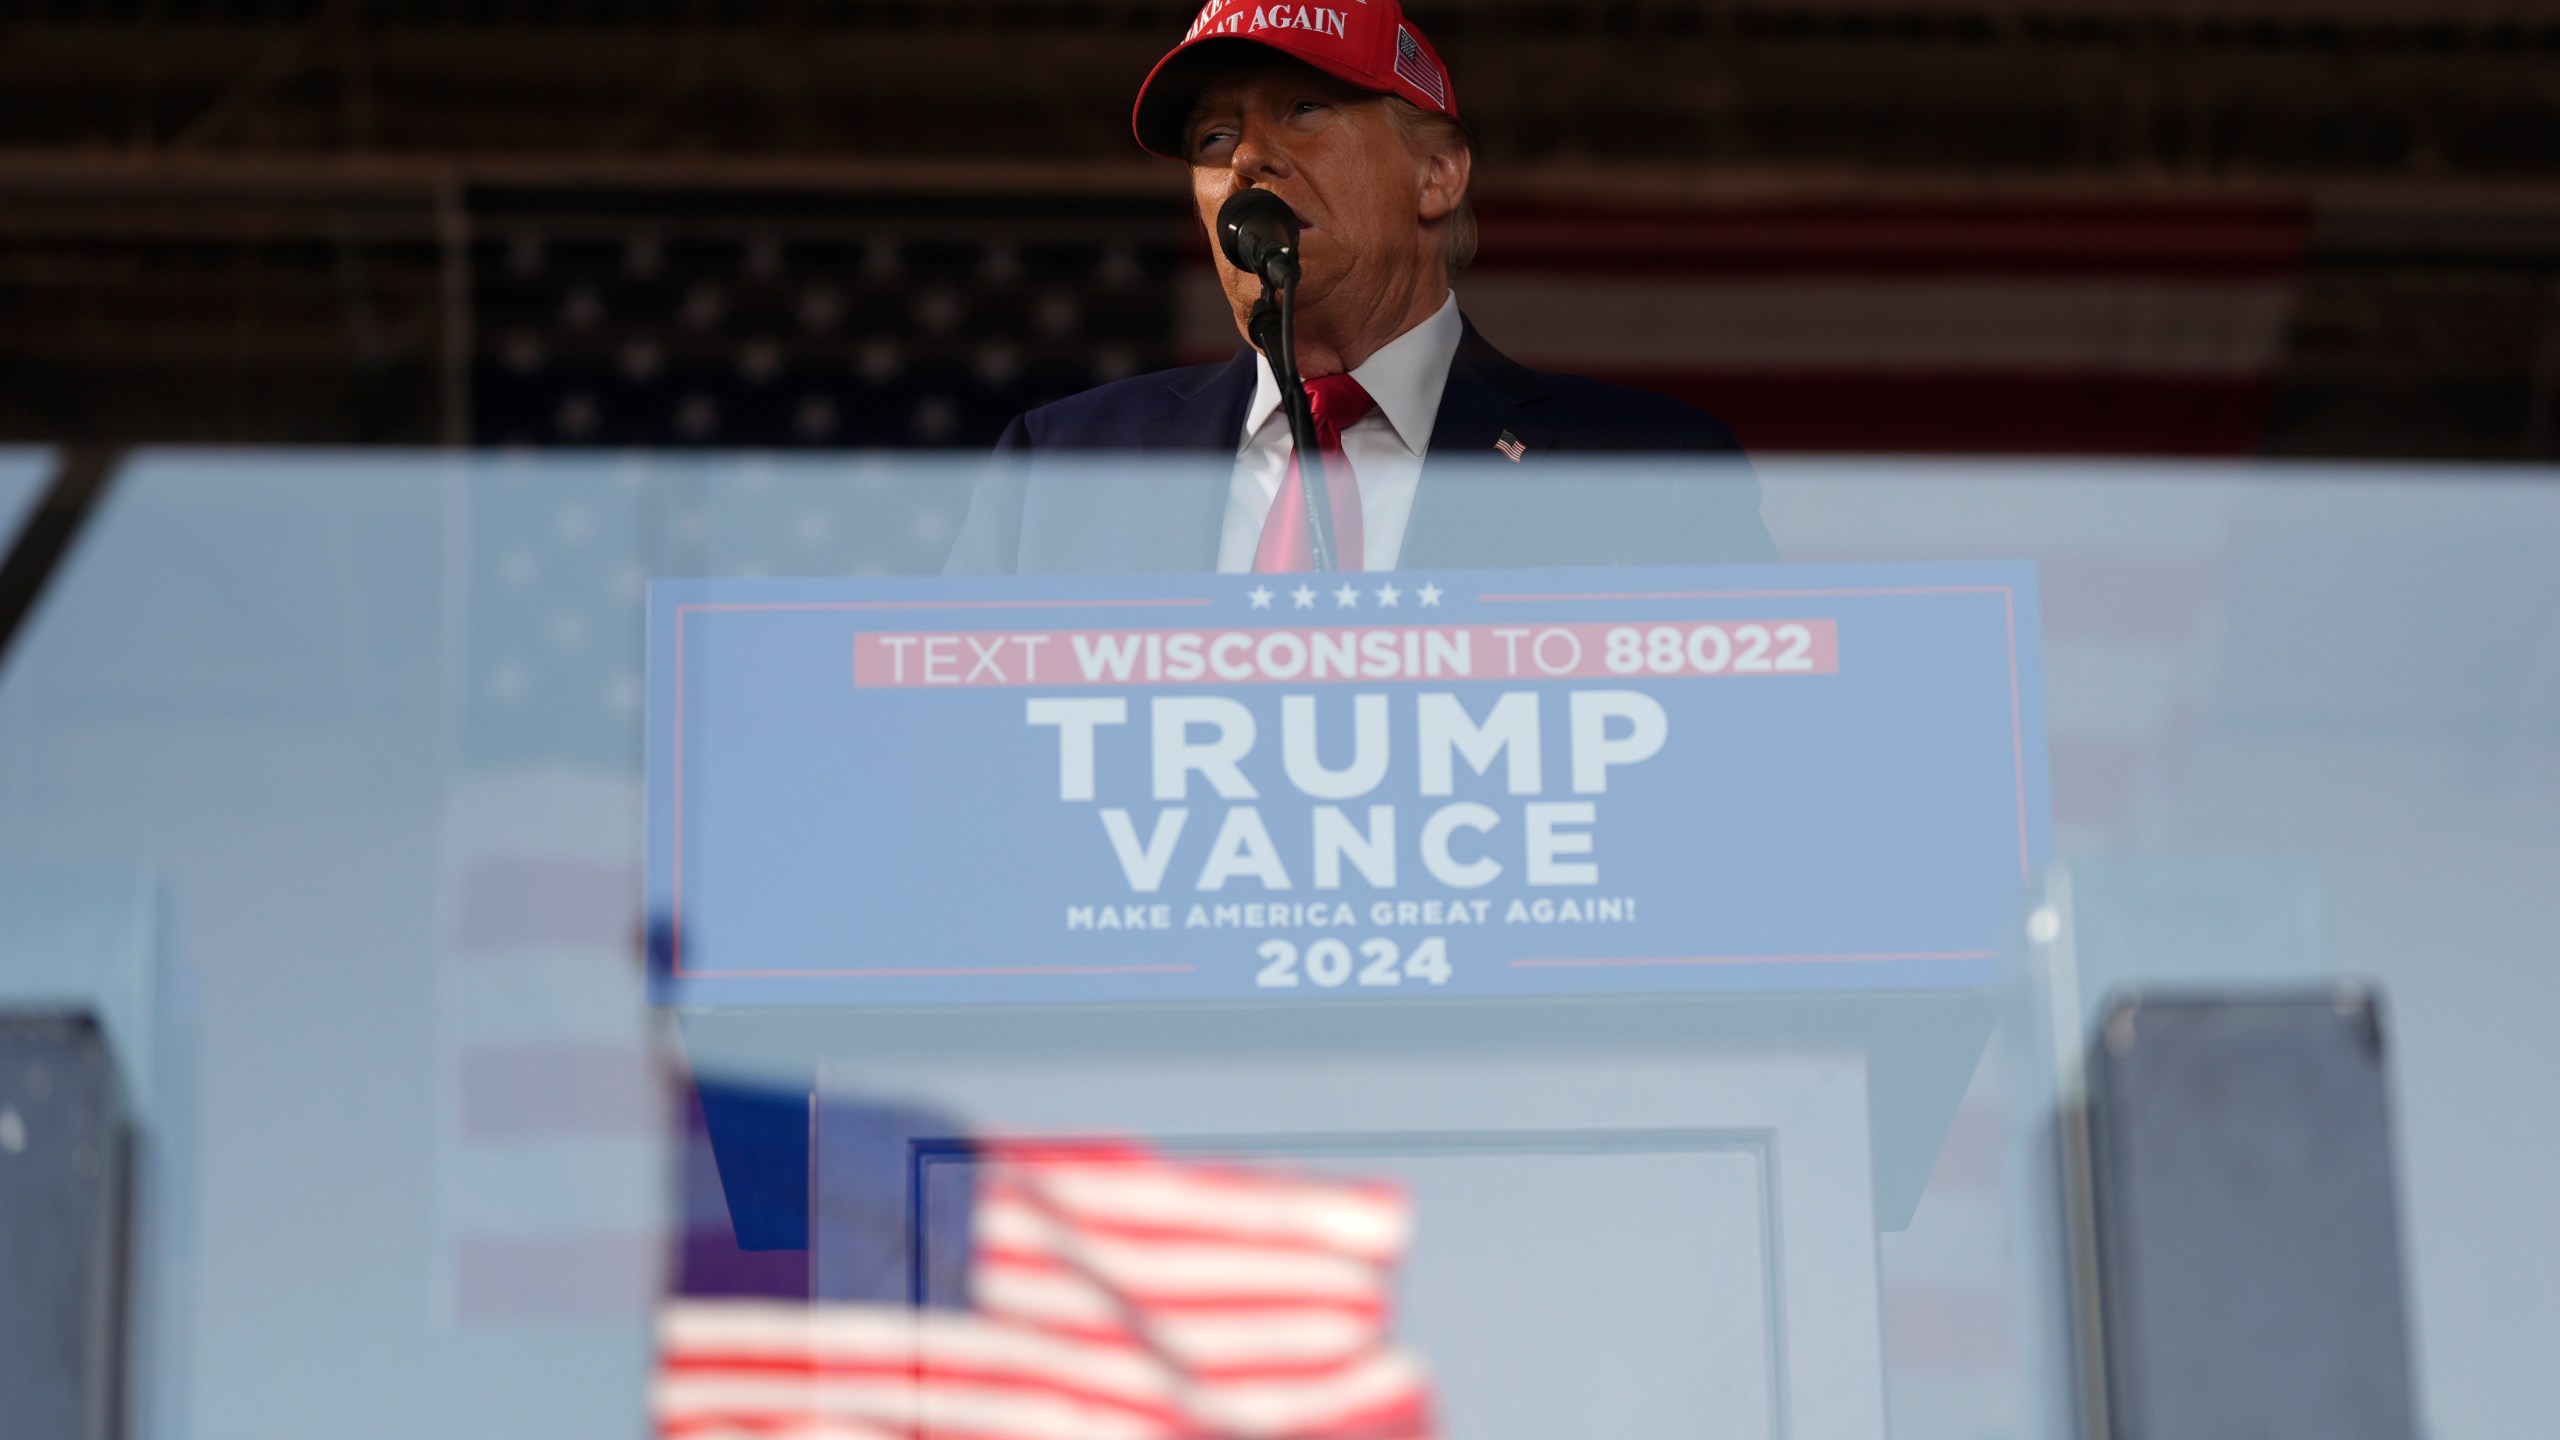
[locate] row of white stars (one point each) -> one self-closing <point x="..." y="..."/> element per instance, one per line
<point x="1388" y="597"/>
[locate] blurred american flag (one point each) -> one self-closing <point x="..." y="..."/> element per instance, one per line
<point x="1117" y="1295"/>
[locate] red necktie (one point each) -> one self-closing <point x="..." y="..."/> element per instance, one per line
<point x="1338" y="403"/>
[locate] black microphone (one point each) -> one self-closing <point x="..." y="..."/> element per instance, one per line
<point x="1259" y="232"/>
<point x="1263" y="326"/>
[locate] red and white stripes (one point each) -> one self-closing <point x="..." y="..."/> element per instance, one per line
<point x="1117" y="1295"/>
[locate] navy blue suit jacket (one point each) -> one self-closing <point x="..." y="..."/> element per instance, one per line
<point x="1046" y="508"/>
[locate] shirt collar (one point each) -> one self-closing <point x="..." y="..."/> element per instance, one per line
<point x="1405" y="377"/>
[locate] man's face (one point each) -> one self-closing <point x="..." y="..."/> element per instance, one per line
<point x="1362" y="189"/>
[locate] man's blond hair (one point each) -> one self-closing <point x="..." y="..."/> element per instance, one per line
<point x="1443" y="132"/>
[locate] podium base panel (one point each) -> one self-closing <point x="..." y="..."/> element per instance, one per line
<point x="1641" y="1246"/>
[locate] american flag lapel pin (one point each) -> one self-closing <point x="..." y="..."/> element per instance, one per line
<point x="1510" y="446"/>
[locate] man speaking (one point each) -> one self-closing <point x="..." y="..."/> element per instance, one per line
<point x="1439" y="451"/>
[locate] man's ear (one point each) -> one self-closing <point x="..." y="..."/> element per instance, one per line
<point x="1444" y="181"/>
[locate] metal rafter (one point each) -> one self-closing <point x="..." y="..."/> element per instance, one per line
<point x="2095" y="87"/>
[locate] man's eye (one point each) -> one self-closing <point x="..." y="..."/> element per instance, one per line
<point x="1212" y="139"/>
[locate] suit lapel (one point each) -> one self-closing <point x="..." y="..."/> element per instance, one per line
<point x="1185" y="511"/>
<point x="1205" y="411"/>
<point x="1488" y="396"/>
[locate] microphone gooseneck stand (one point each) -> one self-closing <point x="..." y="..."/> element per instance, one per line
<point x="1273" y="329"/>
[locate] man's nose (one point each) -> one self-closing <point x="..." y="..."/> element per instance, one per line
<point x="1258" y="155"/>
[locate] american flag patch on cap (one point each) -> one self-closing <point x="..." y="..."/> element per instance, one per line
<point x="1419" y="70"/>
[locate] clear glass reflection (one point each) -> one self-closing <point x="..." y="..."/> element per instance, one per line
<point x="357" y="739"/>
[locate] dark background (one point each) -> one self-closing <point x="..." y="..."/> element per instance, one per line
<point x="824" y="222"/>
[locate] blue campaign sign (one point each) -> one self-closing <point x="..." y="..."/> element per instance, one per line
<point x="1231" y="787"/>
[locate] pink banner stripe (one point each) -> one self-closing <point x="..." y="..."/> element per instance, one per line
<point x="1974" y="1154"/>
<point x="1632" y="651"/>
<point x="727" y="607"/>
<point x="1947" y="1329"/>
<point x="567" y="1277"/>
<point x="548" y="1089"/>
<point x="517" y="902"/>
<point x="2085" y="594"/>
<point x="2096" y="777"/>
<point x="1608" y="962"/>
<point x="939" y="972"/>
<point x="1887" y="590"/>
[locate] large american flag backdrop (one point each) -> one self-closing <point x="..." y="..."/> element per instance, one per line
<point x="917" y="321"/>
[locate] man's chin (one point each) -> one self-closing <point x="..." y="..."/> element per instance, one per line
<point x="1316" y="305"/>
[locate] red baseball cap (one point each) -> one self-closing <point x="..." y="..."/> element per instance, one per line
<point x="1367" y="43"/>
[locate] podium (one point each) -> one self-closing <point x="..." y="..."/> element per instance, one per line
<point x="1647" y="1151"/>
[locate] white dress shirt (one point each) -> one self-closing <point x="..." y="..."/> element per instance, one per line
<point x="1385" y="449"/>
